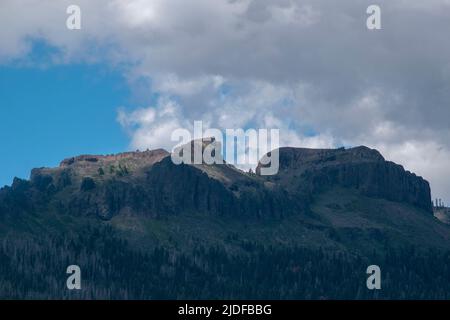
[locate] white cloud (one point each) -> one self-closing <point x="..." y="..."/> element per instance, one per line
<point x="151" y="128"/>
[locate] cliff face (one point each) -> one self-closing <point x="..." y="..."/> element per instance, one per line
<point x="311" y="171"/>
<point x="148" y="183"/>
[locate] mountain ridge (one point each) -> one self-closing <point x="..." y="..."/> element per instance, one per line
<point x="150" y="174"/>
<point x="162" y="230"/>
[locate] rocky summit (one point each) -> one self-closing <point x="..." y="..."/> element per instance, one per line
<point x="311" y="171"/>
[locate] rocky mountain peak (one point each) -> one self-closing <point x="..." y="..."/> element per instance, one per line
<point x="310" y="171"/>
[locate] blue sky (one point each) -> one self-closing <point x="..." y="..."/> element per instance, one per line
<point x="47" y="114"/>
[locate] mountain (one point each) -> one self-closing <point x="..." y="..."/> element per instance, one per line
<point x="312" y="171"/>
<point x="144" y="227"/>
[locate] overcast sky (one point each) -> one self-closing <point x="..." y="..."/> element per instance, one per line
<point x="308" y="67"/>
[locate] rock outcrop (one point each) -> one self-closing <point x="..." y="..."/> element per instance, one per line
<point x="311" y="171"/>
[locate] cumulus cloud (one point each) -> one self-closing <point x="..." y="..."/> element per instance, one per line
<point x="151" y="128"/>
<point x="309" y="67"/>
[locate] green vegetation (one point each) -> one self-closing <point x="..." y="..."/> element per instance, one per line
<point x="122" y="171"/>
<point x="111" y="269"/>
<point x="193" y="256"/>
